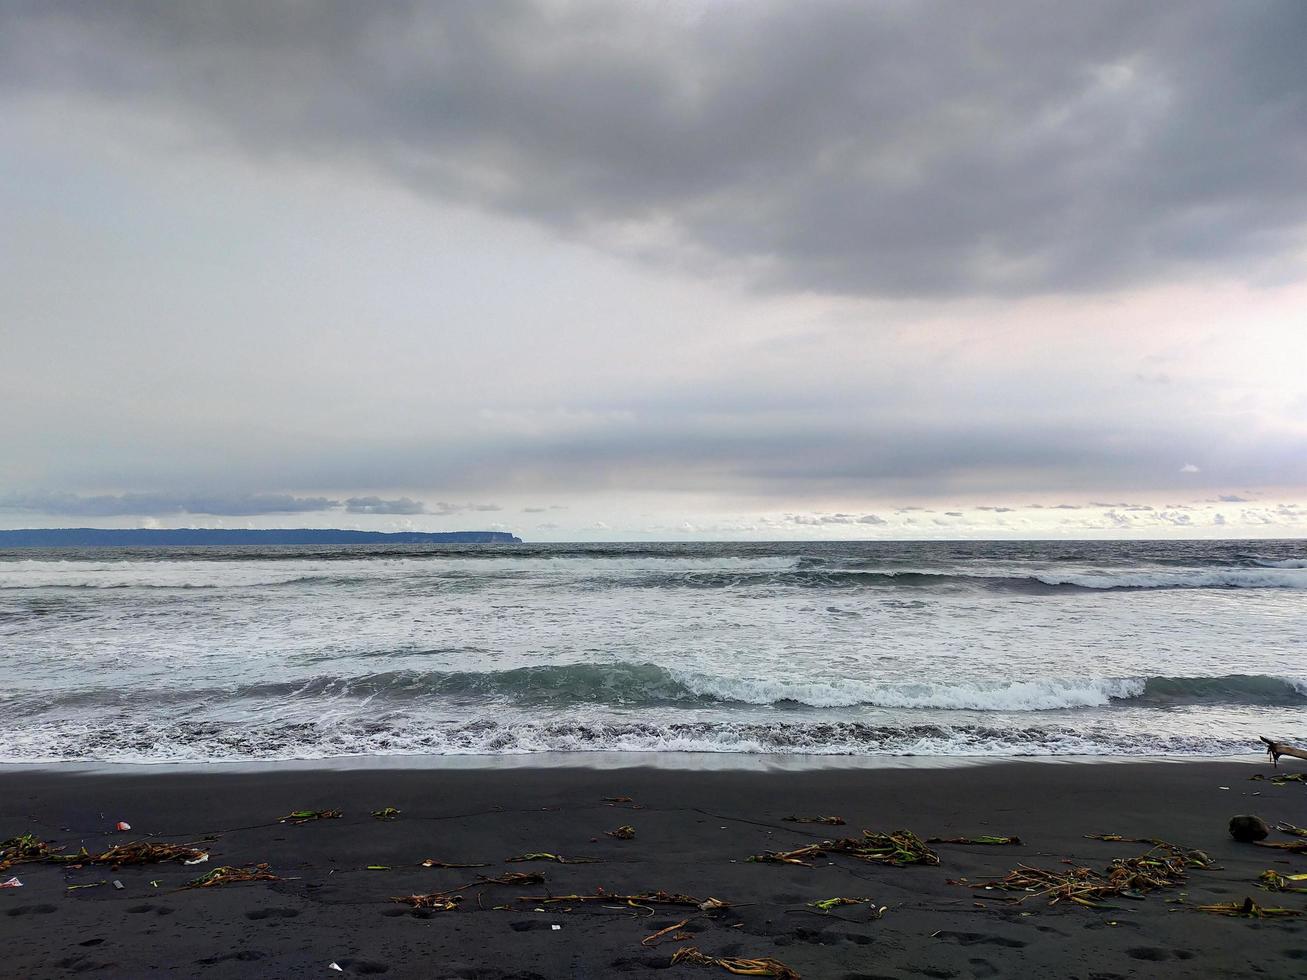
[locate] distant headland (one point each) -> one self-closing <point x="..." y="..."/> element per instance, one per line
<point x="92" y="537"/>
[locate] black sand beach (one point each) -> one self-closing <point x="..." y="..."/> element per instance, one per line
<point x="694" y="831"/>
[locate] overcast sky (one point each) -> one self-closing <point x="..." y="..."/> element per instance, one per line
<point x="656" y="270"/>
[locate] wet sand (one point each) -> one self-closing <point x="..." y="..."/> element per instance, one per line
<point x="694" y="830"/>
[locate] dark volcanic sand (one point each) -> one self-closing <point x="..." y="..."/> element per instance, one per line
<point x="695" y="830"/>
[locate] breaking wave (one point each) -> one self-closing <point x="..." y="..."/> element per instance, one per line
<point x="626" y="685"/>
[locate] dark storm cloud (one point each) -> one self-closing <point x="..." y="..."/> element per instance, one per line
<point x="117" y="505"/>
<point x="378" y="505"/>
<point x="922" y="148"/>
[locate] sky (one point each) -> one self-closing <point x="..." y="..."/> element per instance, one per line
<point x="656" y="270"/>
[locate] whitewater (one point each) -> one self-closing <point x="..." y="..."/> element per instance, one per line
<point x="814" y="649"/>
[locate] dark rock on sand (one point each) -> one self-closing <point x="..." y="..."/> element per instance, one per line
<point x="1247" y="828"/>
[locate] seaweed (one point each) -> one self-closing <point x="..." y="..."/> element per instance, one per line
<point x="898" y="848"/>
<point x="763" y="966"/>
<point x="447" y="900"/>
<point x="624" y="832"/>
<point x="298" y="817"/>
<point x="386" y="813"/>
<point x="1248" y="909"/>
<point x="1292" y="846"/>
<point x="828" y="821"/>
<point x="1288" y="828"/>
<point x="545" y="856"/>
<point x="982" y="839"/>
<point x="228" y="875"/>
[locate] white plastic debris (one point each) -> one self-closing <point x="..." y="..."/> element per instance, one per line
<point x="11" y="883"/>
<point x="199" y="860"/>
<point x="122" y="825"/>
<point x="335" y="966"/>
<point x="117" y="884"/>
<point x="555" y="927"/>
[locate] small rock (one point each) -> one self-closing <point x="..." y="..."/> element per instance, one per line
<point x="1247" y="828"/>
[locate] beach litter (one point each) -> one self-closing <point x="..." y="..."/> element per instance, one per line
<point x="298" y="817"/>
<point x="624" y="832"/>
<point x="546" y="856"/>
<point x="386" y="813"/>
<point x="228" y="875"/>
<point x="828" y="821"/>
<point x="763" y="966"/>
<point x="1248" y="909"/>
<point x="982" y="839"/>
<point x="91" y="884"/>
<point x="122" y="825"/>
<point x="11" y="883"/>
<point x="898" y="848"/>
<point x="1164" y="866"/>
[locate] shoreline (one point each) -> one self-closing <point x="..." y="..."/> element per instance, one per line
<point x="695" y="830"/>
<point x="607" y="761"/>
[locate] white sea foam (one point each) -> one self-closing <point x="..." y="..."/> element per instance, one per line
<point x="1280" y="577"/>
<point x="973" y="695"/>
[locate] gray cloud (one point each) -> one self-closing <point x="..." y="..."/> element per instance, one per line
<point x="843" y="147"/>
<point x="115" y="505"/>
<point x="444" y="508"/>
<point x="378" y="505"/>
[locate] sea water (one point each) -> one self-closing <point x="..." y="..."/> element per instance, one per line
<point x="885" y="649"/>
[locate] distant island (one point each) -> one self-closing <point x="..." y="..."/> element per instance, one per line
<point x="93" y="537"/>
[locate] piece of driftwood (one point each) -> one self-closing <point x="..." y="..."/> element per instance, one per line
<point x="1276" y="749"/>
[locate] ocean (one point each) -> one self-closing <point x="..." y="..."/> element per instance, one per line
<point x="954" y="649"/>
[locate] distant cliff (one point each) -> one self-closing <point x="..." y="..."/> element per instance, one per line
<point x="91" y="537"/>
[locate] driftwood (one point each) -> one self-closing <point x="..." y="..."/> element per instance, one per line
<point x="1276" y="749"/>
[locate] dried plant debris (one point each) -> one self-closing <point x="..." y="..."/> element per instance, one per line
<point x="624" y="832"/>
<point x="386" y="813"/>
<point x="653" y="940"/>
<point x="144" y="852"/>
<point x="1248" y="909"/>
<point x="227" y="875"/>
<point x="1273" y="881"/>
<point x="1292" y="846"/>
<point x="828" y="821"/>
<point x="640" y="898"/>
<point x="898" y="848"/>
<point x="830" y="904"/>
<point x="435" y="902"/>
<point x="1288" y="828"/>
<point x="618" y="799"/>
<point x="308" y="816"/>
<point x="545" y="856"/>
<point x="1280" y="778"/>
<point x="763" y="966"/>
<point x="982" y="839"/>
<point x="89" y="884"/>
<point x="433" y="863"/>
<point x="1164" y="866"/>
